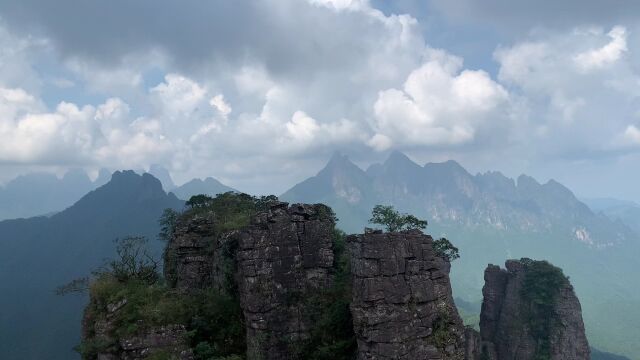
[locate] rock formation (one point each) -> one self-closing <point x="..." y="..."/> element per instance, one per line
<point x="188" y="260"/>
<point x="283" y="258"/>
<point x="402" y="305"/>
<point x="269" y="268"/>
<point x="530" y="311"/>
<point x="99" y="326"/>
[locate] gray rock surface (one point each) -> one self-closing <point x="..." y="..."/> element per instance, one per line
<point x="505" y="329"/>
<point x="402" y="305"/>
<point x="188" y="256"/>
<point x="283" y="258"/>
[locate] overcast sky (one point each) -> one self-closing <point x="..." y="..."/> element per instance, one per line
<point x="259" y="94"/>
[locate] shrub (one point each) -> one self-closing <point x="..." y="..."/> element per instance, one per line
<point x="541" y="286"/>
<point x="393" y="221"/>
<point x="445" y="249"/>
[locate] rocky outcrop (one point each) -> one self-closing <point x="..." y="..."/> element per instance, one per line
<point x="402" y="305"/>
<point x="530" y="311"/>
<point x="283" y="258"/>
<point x="188" y="256"/>
<point x="197" y="255"/>
<point x="169" y="341"/>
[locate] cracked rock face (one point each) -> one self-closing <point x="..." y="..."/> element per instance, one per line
<point x="188" y="260"/>
<point x="402" y="305"/>
<point x="283" y="257"/>
<point x="504" y="327"/>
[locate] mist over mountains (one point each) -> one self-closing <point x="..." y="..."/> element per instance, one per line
<point x="44" y="194"/>
<point x="41" y="253"/>
<point x="490" y="217"/>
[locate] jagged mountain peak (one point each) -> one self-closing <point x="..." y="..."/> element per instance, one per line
<point x="339" y="161"/>
<point x="209" y="186"/>
<point x="527" y="182"/>
<point x="449" y="166"/>
<point x="162" y="174"/>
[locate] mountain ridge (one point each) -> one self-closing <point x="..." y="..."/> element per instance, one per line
<point x="491" y="218"/>
<point x="39" y="254"/>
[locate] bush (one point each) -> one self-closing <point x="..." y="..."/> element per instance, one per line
<point x="393" y="221"/>
<point x="445" y="249"/>
<point x="541" y="286"/>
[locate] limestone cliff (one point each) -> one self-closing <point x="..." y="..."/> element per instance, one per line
<point x="252" y="279"/>
<point x="530" y="311"/>
<point x="402" y="305"/>
<point x="284" y="257"/>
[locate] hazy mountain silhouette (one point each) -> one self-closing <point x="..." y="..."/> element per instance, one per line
<point x="208" y="186"/>
<point x="43" y="193"/>
<point x="163" y="175"/>
<point x="38" y="254"/>
<point x="491" y="218"/>
<point x="627" y="212"/>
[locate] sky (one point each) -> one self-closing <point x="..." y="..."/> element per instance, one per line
<point x="259" y="94"/>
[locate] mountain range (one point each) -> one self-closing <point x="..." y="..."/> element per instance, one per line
<point x="44" y="194"/>
<point x="491" y="217"/>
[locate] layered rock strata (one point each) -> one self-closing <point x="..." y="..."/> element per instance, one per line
<point x="402" y="305"/>
<point x="283" y="258"/>
<point x="514" y="327"/>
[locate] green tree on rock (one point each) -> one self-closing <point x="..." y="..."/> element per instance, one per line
<point x="393" y="220"/>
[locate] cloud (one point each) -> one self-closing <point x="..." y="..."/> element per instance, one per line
<point x="520" y="16"/>
<point x="236" y="89"/>
<point x="440" y="104"/>
<point x="608" y="54"/>
<point x="632" y="134"/>
<point x="578" y="87"/>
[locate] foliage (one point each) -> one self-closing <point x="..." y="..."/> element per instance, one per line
<point x="214" y="321"/>
<point x="445" y="249"/>
<point x="167" y="223"/>
<point x="230" y="210"/>
<point x="393" y="221"/>
<point x="332" y="335"/>
<point x="133" y="261"/>
<point x="442" y="336"/>
<point x="540" y="288"/>
<point x="326" y="213"/>
<point x="75" y="286"/>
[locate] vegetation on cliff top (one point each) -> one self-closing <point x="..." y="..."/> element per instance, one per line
<point x="213" y="319"/>
<point x="394" y="221"/>
<point x="541" y="286"/>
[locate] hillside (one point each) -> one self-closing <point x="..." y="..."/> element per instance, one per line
<point x="39" y="254"/>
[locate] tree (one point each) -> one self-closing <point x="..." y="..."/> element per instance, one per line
<point x="394" y="221"/>
<point x="199" y="201"/>
<point x="133" y="261"/>
<point x="167" y="223"/>
<point x="445" y="249"/>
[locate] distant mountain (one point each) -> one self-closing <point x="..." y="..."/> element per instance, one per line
<point x="601" y="355"/>
<point x="43" y="193"/>
<point x="491" y="218"/>
<point x="627" y="212"/>
<point x="163" y="175"/>
<point x="208" y="186"/>
<point x="39" y="254"/>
